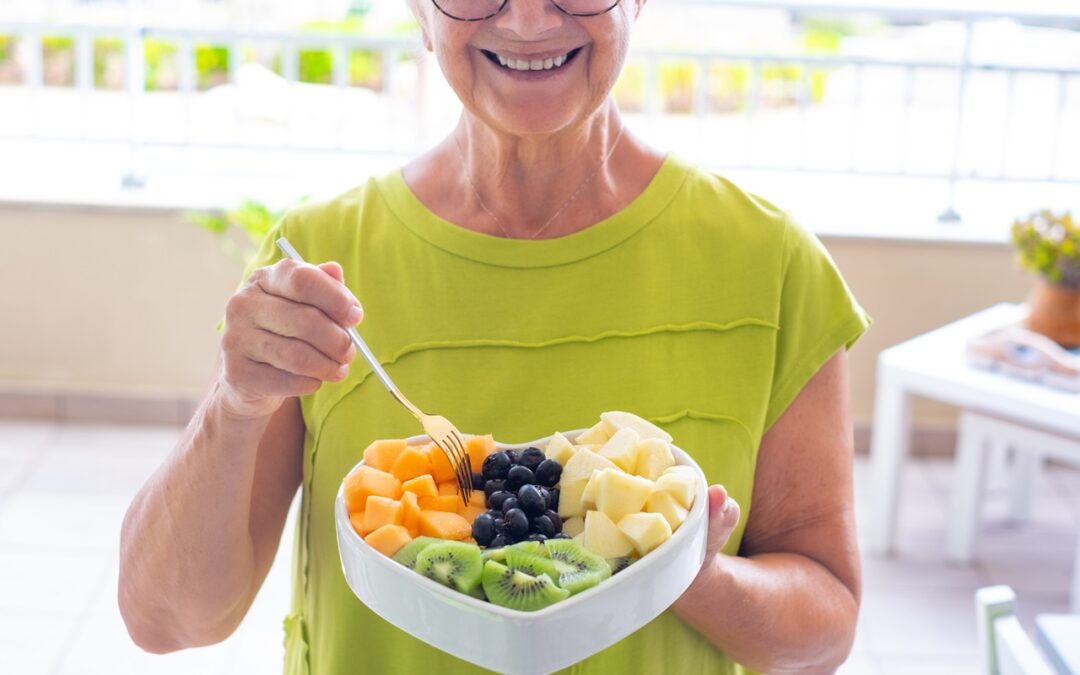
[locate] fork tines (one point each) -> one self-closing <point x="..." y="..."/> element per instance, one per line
<point x="454" y="448"/>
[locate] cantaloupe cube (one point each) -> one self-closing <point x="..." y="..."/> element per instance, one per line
<point x="470" y="513"/>
<point x="441" y="468"/>
<point x="444" y="525"/>
<point x="388" y="539"/>
<point x="382" y="511"/>
<point x="357" y="520"/>
<point x="367" y="482"/>
<point x="422" y="486"/>
<point x="478" y="448"/>
<point x="410" y="463"/>
<point x="381" y="454"/>
<point x="447" y="503"/>
<point x="448" y="489"/>
<point x="476" y="501"/>
<point x="411" y="513"/>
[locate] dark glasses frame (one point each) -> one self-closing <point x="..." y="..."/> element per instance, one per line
<point x="614" y="4"/>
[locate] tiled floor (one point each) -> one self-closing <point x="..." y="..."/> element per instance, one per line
<point x="64" y="489"/>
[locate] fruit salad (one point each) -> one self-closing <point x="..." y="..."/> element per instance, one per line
<point x="542" y="523"/>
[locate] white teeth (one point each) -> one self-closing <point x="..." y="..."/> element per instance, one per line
<point x="535" y="64"/>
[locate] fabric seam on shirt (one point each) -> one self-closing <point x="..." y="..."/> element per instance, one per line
<point x="659" y="212"/>
<point x="807" y="368"/>
<point x="705" y="416"/>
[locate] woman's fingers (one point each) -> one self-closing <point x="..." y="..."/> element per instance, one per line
<point x="723" y="518"/>
<point x="310" y="285"/>
<point x="259" y="381"/>
<point x="304" y="322"/>
<point x="294" y="356"/>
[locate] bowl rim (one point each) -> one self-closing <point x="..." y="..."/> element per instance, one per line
<point x="696" y="513"/>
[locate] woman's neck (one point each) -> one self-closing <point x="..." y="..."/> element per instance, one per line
<point x="528" y="187"/>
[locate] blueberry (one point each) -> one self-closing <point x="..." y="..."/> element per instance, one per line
<point x="494" y="514"/>
<point x="556" y="521"/>
<point x="496" y="465"/>
<point x="493" y="486"/>
<point x="478" y="481"/>
<point x="510" y="503"/>
<point x="531" y="458"/>
<point x="537" y="537"/>
<point x="497" y="500"/>
<point x="542" y="525"/>
<point x="518" y="476"/>
<point x="517" y="524"/>
<point x="546" y="494"/>
<point x="500" y="526"/>
<point x="548" y="473"/>
<point x="514" y="456"/>
<point x="561" y="535"/>
<point x="499" y="541"/>
<point x="532" y="502"/>
<point x="483" y="529"/>
<point x="553" y="503"/>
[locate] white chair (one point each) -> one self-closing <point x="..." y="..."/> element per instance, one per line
<point x="981" y="437"/>
<point x="1005" y="649"/>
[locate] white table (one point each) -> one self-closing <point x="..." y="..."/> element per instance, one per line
<point x="932" y="365"/>
<point x="1059" y="637"/>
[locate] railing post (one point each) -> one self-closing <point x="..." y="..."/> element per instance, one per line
<point x="135" y="81"/>
<point x="950" y="215"/>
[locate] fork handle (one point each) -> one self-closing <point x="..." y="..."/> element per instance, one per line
<point x="361" y="346"/>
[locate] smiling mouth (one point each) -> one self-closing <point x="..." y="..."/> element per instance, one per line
<point x="511" y="63"/>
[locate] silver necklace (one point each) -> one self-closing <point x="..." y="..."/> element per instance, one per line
<point x="498" y="221"/>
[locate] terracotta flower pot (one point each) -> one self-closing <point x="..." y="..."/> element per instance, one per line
<point x="1054" y="311"/>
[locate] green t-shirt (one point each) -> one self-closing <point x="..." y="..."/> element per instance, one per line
<point x="698" y="306"/>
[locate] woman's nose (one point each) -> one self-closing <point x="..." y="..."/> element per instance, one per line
<point x="529" y="19"/>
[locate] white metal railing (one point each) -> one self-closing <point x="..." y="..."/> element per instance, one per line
<point x="392" y="50"/>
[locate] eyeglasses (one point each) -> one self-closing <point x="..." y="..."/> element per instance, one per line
<point x="478" y="10"/>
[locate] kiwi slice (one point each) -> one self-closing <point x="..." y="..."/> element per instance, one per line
<point x="452" y="563"/>
<point x="496" y="554"/>
<point x="409" y="552"/>
<point x="580" y="568"/>
<point x="619" y="564"/>
<point x="517" y="590"/>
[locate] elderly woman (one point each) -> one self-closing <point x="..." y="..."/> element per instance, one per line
<point x="540" y="265"/>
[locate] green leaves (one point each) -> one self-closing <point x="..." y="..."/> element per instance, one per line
<point x="241" y="229"/>
<point x="1049" y="245"/>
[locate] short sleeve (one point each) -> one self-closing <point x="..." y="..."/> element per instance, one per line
<point x="267" y="254"/>
<point x="818" y="316"/>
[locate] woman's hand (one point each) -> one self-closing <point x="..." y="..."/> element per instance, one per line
<point x="285" y="336"/>
<point x="723" y="518"/>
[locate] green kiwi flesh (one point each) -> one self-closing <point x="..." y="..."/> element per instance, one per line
<point x="409" y="552"/>
<point x="452" y="563"/>
<point x="515" y="589"/>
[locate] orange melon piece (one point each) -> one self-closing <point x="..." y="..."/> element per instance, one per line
<point x="410" y="463"/>
<point x="382" y="511"/>
<point x="421" y="486"/>
<point x="382" y="454"/>
<point x="447" y="489"/>
<point x="470" y="513"/>
<point x="357" y="520"/>
<point x="388" y="539"/>
<point x="444" y="525"/>
<point x="447" y="503"/>
<point x="441" y="468"/>
<point x="411" y="513"/>
<point x="479" y="447"/>
<point x="368" y="482"/>
<point x="476" y="501"/>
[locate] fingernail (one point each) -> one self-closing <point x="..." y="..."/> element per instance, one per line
<point x="355" y="314"/>
<point x="342" y="372"/>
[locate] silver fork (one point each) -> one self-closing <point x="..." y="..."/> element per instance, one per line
<point x="438" y="428"/>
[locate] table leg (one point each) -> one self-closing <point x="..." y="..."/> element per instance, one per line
<point x="888" y="448"/>
<point x="969" y="477"/>
<point x="1074" y="595"/>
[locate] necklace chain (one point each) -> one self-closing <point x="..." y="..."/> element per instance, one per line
<point x="498" y="221"/>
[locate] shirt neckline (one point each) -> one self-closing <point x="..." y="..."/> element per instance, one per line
<point x="503" y="252"/>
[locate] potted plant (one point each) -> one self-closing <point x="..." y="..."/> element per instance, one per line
<point x="1049" y="245"/>
<point x="239" y="230"/>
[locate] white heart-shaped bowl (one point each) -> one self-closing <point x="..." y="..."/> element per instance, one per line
<point x="505" y="640"/>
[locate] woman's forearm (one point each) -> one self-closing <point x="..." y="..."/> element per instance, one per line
<point x="775" y="612"/>
<point x="187" y="557"/>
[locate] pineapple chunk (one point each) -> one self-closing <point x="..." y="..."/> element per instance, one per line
<point x="599" y="433"/>
<point x="580" y="467"/>
<point x="603" y="537"/>
<point x="681" y="468"/>
<point x="574" y="526"/>
<point x="623" y="420"/>
<point x="663" y="503"/>
<point x="579" y="538"/>
<point x="570" y="499"/>
<point x="619" y="494"/>
<point x="622" y="449"/>
<point x="588" y="497"/>
<point x="591" y="447"/>
<point x="559" y="449"/>
<point x="653" y="458"/>
<point x="645" y="531"/>
<point x="682" y="486"/>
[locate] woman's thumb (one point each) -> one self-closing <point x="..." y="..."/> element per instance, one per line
<point x="334" y="270"/>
